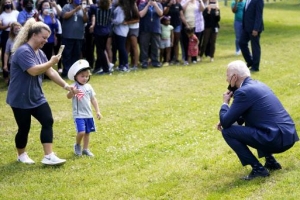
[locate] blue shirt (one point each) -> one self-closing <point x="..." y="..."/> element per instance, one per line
<point x="24" y="15"/>
<point x="53" y="27"/>
<point x="151" y="21"/>
<point x="238" y="15"/>
<point x="25" y="91"/>
<point x="73" y="27"/>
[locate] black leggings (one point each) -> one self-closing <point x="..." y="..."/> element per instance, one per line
<point x="23" y="118"/>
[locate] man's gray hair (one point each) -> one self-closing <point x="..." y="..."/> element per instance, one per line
<point x="239" y="67"/>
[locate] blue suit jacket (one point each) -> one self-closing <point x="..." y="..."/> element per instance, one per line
<point x="260" y="109"/>
<point x="253" y="16"/>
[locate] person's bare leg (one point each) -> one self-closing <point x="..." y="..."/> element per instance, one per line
<point x="47" y="148"/>
<point x="79" y="137"/>
<point x="20" y="151"/>
<point x="86" y="140"/>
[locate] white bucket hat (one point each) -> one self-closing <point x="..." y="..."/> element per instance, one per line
<point x="76" y="67"/>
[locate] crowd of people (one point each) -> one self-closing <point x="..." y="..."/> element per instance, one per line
<point x="118" y="34"/>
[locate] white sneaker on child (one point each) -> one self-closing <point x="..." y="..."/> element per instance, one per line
<point x="52" y="159"/>
<point x="24" y="158"/>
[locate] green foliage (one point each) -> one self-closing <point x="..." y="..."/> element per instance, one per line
<point x="158" y="139"/>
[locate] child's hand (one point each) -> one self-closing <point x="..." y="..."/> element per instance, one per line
<point x="99" y="116"/>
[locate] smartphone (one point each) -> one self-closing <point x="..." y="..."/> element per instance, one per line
<point x="61" y="48"/>
<point x="212" y="5"/>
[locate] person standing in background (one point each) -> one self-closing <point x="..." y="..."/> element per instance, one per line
<point x="175" y="11"/>
<point x="212" y="17"/>
<point x="14" y="31"/>
<point x="237" y="7"/>
<point x="27" y="12"/>
<point x="47" y="16"/>
<point x="7" y="17"/>
<point x="74" y="18"/>
<point x="101" y="17"/>
<point x="252" y="27"/>
<point x="150" y="13"/>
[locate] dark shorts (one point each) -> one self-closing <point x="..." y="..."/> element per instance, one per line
<point x="133" y="32"/>
<point x="86" y="125"/>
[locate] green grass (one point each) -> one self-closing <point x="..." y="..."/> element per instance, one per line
<point x="157" y="139"/>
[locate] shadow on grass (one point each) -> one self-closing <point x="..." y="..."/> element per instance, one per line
<point x="14" y="168"/>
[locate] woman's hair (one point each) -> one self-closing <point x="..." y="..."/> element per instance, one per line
<point x="40" y="5"/>
<point x="30" y="27"/>
<point x="104" y="4"/>
<point x="130" y="9"/>
<point x="2" y="5"/>
<point x="12" y="26"/>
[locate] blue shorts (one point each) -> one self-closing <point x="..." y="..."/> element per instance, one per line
<point x="177" y="29"/>
<point x="86" y="125"/>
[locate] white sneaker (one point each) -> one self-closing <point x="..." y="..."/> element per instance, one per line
<point x="185" y="63"/>
<point x="52" y="159"/>
<point x="111" y="67"/>
<point x="24" y="158"/>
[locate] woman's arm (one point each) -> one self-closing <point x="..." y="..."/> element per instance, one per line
<point x="42" y="68"/>
<point x="55" y="77"/>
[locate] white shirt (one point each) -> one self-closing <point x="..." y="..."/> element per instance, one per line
<point x="247" y="3"/>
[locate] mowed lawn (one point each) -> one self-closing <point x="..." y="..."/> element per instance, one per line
<point x="158" y="139"/>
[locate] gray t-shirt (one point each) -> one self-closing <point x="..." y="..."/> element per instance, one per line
<point x="81" y="103"/>
<point x="73" y="27"/>
<point x="9" y="45"/>
<point x="25" y="91"/>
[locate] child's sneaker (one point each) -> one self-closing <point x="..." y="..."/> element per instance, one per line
<point x="24" y="158"/>
<point x="87" y="152"/>
<point x="77" y="149"/>
<point x="52" y="159"/>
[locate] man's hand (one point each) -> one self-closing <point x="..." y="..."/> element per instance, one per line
<point x="254" y="33"/>
<point x="227" y="96"/>
<point x="219" y="126"/>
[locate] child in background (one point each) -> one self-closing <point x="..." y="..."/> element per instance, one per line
<point x="193" y="44"/>
<point x="14" y="30"/>
<point x="166" y="41"/>
<point x="82" y="96"/>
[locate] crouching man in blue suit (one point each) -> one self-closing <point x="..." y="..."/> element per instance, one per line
<point x="268" y="127"/>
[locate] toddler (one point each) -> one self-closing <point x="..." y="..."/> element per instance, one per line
<point x="166" y="41"/>
<point x="193" y="44"/>
<point x="82" y="96"/>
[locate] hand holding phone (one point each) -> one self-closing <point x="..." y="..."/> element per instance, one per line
<point x="61" y="48"/>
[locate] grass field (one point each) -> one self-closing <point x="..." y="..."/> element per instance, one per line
<point x="158" y="139"/>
